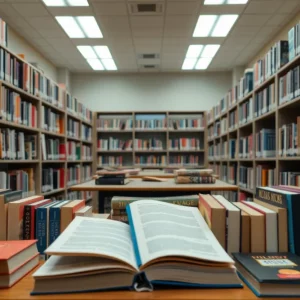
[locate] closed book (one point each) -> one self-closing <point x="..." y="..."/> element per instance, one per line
<point x="245" y="233"/>
<point x="29" y="218"/>
<point x="186" y="172"/>
<point x="86" y="211"/>
<point x="120" y="202"/>
<point x="67" y="213"/>
<point x="16" y="215"/>
<point x="194" y="179"/>
<point x="271" y="227"/>
<point x="274" y="274"/>
<point x="6" y="198"/>
<point x="289" y="199"/>
<point x="257" y="228"/>
<point x="233" y="224"/>
<point x="111" y="181"/>
<point x="215" y="216"/>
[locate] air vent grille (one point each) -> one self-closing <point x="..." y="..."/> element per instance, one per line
<point x="149" y="66"/>
<point x="147" y="8"/>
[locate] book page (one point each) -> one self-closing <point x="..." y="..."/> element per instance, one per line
<point x="164" y="229"/>
<point x="95" y="237"/>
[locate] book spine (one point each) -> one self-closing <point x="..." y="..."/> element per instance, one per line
<point x="27" y="223"/>
<point x="41" y="229"/>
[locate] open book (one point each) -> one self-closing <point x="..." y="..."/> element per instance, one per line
<point x="164" y="244"/>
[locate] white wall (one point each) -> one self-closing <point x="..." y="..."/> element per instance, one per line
<point x="19" y="45"/>
<point x="146" y="92"/>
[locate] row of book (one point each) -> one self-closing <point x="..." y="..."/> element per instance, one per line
<point x="246" y="112"/>
<point x="114" y="144"/>
<point x="77" y="109"/>
<point x="109" y="160"/>
<point x="288" y="139"/>
<point x="245" y="85"/>
<point x="233" y="149"/>
<point x="193" y="160"/>
<point x="17" y="145"/>
<point x="21" y="180"/>
<point x="114" y="123"/>
<point x="223" y="126"/>
<point x="73" y="128"/>
<point x="15" y="109"/>
<point x="187" y="123"/>
<point x="265" y="175"/>
<point x="185" y="144"/>
<point x="149" y="160"/>
<point x="233" y="119"/>
<point x="148" y="144"/>
<point x="86" y="133"/>
<point x="294" y="41"/>
<point x="246" y="177"/>
<point x="53" y="179"/>
<point x="246" y="146"/>
<point x="78" y="152"/>
<point x="224" y="150"/>
<point x="52" y="149"/>
<point x="264" y="101"/>
<point x="289" y="178"/>
<point x="273" y="60"/>
<point x="51" y="120"/>
<point x="232" y="174"/>
<point x="265" y="143"/>
<point x="204" y="176"/>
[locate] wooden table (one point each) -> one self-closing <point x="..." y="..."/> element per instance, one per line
<point x="139" y="188"/>
<point x="21" y="291"/>
<point x="153" y="173"/>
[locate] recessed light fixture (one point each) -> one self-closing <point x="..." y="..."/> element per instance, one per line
<point x="101" y="54"/>
<point x="198" y="57"/>
<point x="80" y="27"/>
<point x="66" y="2"/>
<point x="214" y="25"/>
<point x="221" y="2"/>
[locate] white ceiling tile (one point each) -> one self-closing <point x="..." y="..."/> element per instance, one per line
<point x="31" y="9"/>
<point x="262" y="7"/>
<point x="290" y="6"/>
<point x="52" y="33"/>
<point x="222" y="9"/>
<point x="182" y="8"/>
<point x="150" y="22"/>
<point x="179" y="26"/>
<point x="277" y="19"/>
<point x="8" y="10"/>
<point x="115" y="26"/>
<point x="43" y="22"/>
<point x="147" y="32"/>
<point x="240" y="31"/>
<point x="253" y="20"/>
<point x="110" y="8"/>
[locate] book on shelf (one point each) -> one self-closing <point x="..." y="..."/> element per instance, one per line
<point x="114" y="122"/>
<point x="244" y="196"/>
<point x="52" y="179"/>
<point x="17" y="145"/>
<point x="109" y="160"/>
<point x="264" y="101"/>
<point x="265" y="175"/>
<point x="233" y="119"/>
<point x="148" y="144"/>
<point x="74" y="150"/>
<point x="265" y="143"/>
<point x="217" y="129"/>
<point x="73" y="175"/>
<point x="150" y="121"/>
<point x="52" y="149"/>
<point x="68" y="213"/>
<point x="294" y="41"/>
<point x="224" y="149"/>
<point x="17" y="258"/>
<point x="52" y="121"/>
<point x="194" y="160"/>
<point x="188" y="122"/>
<point x="14" y="108"/>
<point x="224" y="172"/>
<point x="270" y="274"/>
<point x="185" y="144"/>
<point x="246" y="111"/>
<point x="86" y="133"/>
<point x="282" y="224"/>
<point x="245" y="84"/>
<point x="142" y="255"/>
<point x="194" y="179"/>
<point x="232" y="174"/>
<point x="288" y="137"/>
<point x="114" y="144"/>
<point x="246" y="177"/>
<point x="223" y="126"/>
<point x="233" y="149"/>
<point x="86" y="153"/>
<point x="73" y="129"/>
<point x="289" y="178"/>
<point x="151" y="160"/>
<point x="246" y="146"/>
<point x="86" y="211"/>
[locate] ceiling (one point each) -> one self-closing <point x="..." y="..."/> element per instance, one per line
<point x="168" y="34"/>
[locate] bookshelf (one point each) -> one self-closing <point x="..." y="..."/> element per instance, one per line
<point x="150" y="139"/>
<point x="262" y="138"/>
<point x="35" y="133"/>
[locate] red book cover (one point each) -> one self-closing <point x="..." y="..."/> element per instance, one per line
<point x="8" y="249"/>
<point x="62" y="151"/>
<point x="62" y="178"/>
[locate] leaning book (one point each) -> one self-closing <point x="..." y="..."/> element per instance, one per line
<point x="164" y="244"/>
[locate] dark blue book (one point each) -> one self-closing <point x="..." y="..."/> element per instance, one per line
<point x="270" y="274"/>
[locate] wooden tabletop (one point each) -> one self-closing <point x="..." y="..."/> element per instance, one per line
<point x="153" y="173"/>
<point x="21" y="291"/>
<point x="170" y="185"/>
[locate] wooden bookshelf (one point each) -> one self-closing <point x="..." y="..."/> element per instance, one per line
<point x="280" y="115"/>
<point x="132" y="130"/>
<point x="48" y="94"/>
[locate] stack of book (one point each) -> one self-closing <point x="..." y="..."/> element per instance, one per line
<point x="112" y="177"/>
<point x="184" y="176"/>
<point x="17" y="258"/>
<point x="119" y="203"/>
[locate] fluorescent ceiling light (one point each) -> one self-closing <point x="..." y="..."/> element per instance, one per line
<point x="66" y="2"/>
<point x="70" y="26"/>
<point x="210" y="51"/>
<point x="237" y="1"/>
<point x="220" y="2"/>
<point x="194" y="51"/>
<point x="203" y="63"/>
<point x="90" y="27"/>
<point x="103" y="51"/>
<point x="109" y="64"/>
<point x="95" y="64"/>
<point x="224" y="25"/>
<point x="87" y="52"/>
<point x="189" y="64"/>
<point x="204" y="25"/>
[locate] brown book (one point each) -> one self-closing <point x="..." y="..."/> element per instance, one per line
<point x="257" y="228"/>
<point x="195" y="179"/>
<point x="67" y="213"/>
<point x="151" y="178"/>
<point x="124" y="173"/>
<point x="298" y="134"/>
<point x="282" y="224"/>
<point x="215" y="216"/>
<point x="191" y="172"/>
<point x="245" y="233"/>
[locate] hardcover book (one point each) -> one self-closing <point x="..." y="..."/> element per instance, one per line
<point x="164" y="244"/>
<point x="270" y="274"/>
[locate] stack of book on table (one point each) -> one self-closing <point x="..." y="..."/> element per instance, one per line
<point x="17" y="258"/>
<point x="183" y="176"/>
<point x="119" y="203"/>
<point x="163" y="245"/>
<point x="112" y="177"/>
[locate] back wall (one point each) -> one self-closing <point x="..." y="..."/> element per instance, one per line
<point x="146" y="92"/>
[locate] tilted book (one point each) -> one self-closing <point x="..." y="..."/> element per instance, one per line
<point x="164" y="244"/>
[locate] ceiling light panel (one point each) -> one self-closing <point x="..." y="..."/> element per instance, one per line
<point x="222" y="2"/>
<point x="99" y="57"/>
<point x="214" y="25"/>
<point x="198" y="57"/>
<point x="80" y="27"/>
<point x="66" y="2"/>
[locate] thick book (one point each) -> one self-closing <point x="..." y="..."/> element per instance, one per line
<point x="191" y="172"/>
<point x="282" y="224"/>
<point x="111" y="181"/>
<point x="270" y="274"/>
<point x="290" y="200"/>
<point x="194" y="179"/>
<point x="67" y="213"/>
<point x="163" y="244"/>
<point x="120" y="202"/>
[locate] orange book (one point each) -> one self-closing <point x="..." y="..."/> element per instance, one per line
<point x="264" y="177"/>
<point x="67" y="213"/>
<point x="9" y="249"/>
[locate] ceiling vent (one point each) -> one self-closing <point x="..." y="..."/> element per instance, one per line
<point x="148" y="56"/>
<point x="149" y="67"/>
<point x="146" y="8"/>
